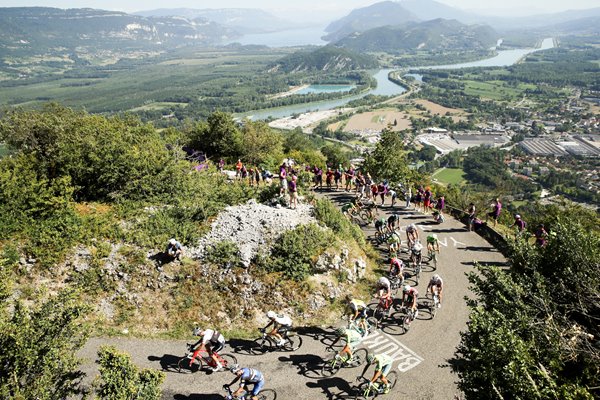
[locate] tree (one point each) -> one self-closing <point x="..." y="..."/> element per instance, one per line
<point x="219" y="136"/>
<point x="39" y="343"/>
<point x="334" y="155"/>
<point x="533" y="330"/>
<point x="261" y="144"/>
<point x="120" y="379"/>
<point x="388" y="160"/>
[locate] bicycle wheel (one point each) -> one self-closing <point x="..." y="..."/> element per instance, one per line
<point x="331" y="367"/>
<point x="293" y="342"/>
<point x="392" y="378"/>
<point x="183" y="366"/>
<point x="359" y="357"/>
<point x="406" y="321"/>
<point x="227" y="360"/>
<point x="267" y="394"/>
<point x="372" y="323"/>
<point x="364" y="391"/>
<point x="261" y="346"/>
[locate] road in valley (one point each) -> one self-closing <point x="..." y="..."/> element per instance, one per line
<point x="422" y="355"/>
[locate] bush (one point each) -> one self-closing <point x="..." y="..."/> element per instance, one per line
<point x="225" y="253"/>
<point x="294" y="251"/>
<point x="120" y="379"/>
<point x="327" y="213"/>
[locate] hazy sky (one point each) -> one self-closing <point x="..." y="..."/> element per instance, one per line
<point x="287" y="8"/>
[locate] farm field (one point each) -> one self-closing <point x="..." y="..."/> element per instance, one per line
<point x="454" y="176"/>
<point x="378" y="120"/>
<point x="496" y="90"/>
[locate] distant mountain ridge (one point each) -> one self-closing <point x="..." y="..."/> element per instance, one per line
<point x="326" y="58"/>
<point x="435" y="35"/>
<point x="42" y="28"/>
<point x="243" y="20"/>
<point x="363" y="19"/>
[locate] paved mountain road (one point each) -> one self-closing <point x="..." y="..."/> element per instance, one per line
<point x="422" y="355"/>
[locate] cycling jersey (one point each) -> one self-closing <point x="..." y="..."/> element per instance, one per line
<point x="383" y="283"/>
<point x="396" y="266"/>
<point x="393" y="239"/>
<point x="352" y="337"/>
<point x="410" y="229"/>
<point x="431" y="239"/>
<point x="380" y="222"/>
<point x="283" y="320"/>
<point x="436" y="282"/>
<point x="251" y="375"/>
<point x="411" y="295"/>
<point x="382" y="361"/>
<point x="347" y="207"/>
<point x="393" y="218"/>
<point x="357" y="305"/>
<point x="212" y="336"/>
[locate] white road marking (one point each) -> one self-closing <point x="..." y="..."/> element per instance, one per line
<point x="380" y="343"/>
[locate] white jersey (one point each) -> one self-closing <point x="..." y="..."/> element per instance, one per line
<point x="383" y="282"/>
<point x="436" y="282"/>
<point x="212" y="336"/>
<point x="283" y="320"/>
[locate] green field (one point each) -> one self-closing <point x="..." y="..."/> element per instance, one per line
<point x="446" y="176"/>
<point x="496" y="90"/>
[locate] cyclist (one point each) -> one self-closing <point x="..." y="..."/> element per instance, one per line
<point x="436" y="282"/>
<point x="247" y="376"/>
<point x="412" y="234"/>
<point x="174" y="249"/>
<point x="211" y="340"/>
<point x="432" y="243"/>
<point x="396" y="269"/>
<point x="415" y="253"/>
<point x="380" y="225"/>
<point x="383" y="366"/>
<point x="393" y="242"/>
<point x="352" y="337"/>
<point x="281" y="325"/>
<point x="349" y="208"/>
<point x="409" y="298"/>
<point x="392" y="221"/>
<point x="384" y="291"/>
<point x="357" y="311"/>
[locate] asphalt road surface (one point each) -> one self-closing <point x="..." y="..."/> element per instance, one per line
<point x="423" y="355"/>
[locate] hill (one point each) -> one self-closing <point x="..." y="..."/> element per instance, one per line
<point x="431" y="9"/>
<point x="243" y="20"/>
<point x="30" y="30"/>
<point x="434" y="35"/>
<point x="363" y="19"/>
<point x="327" y="58"/>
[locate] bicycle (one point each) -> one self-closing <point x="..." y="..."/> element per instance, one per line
<point x="266" y="343"/>
<point x="265" y="394"/>
<point x="183" y="365"/>
<point x="416" y="260"/>
<point x="432" y="254"/>
<point x="435" y="303"/>
<point x="337" y="362"/>
<point x="368" y="390"/>
<point x="370" y="322"/>
<point x="382" y="310"/>
<point x="408" y="318"/>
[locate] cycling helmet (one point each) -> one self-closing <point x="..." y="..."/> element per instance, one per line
<point x="235" y="368"/>
<point x="412" y="227"/>
<point x="370" y="358"/>
<point x="197" y="331"/>
<point x="517" y="216"/>
<point x="340" y="331"/>
<point x="433" y="235"/>
<point x="271" y="315"/>
<point x="172" y="241"/>
<point x="436" y="277"/>
<point x="405" y="288"/>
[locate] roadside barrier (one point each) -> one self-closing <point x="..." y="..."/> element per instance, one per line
<point x="487" y="232"/>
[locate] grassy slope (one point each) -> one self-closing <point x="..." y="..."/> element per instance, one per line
<point x="454" y="176"/>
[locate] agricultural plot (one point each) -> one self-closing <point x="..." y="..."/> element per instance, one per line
<point x="378" y="120"/>
<point x="454" y="176"/>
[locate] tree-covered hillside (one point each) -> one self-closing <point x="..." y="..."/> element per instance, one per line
<point x="326" y="59"/>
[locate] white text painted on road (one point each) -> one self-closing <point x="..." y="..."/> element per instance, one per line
<point x="380" y="343"/>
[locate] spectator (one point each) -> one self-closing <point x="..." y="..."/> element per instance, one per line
<point x="283" y="183"/>
<point x="408" y="195"/>
<point x="238" y="168"/>
<point x="541" y="236"/>
<point x="519" y="224"/>
<point x="496" y="210"/>
<point x="174" y="249"/>
<point x="293" y="189"/>
<point x="471" y="214"/>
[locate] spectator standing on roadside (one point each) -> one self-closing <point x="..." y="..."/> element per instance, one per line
<point x="427" y="200"/>
<point x="238" y="168"/>
<point x="496" y="210"/>
<point x="408" y="195"/>
<point x="221" y="164"/>
<point x="519" y="224"/>
<point x="293" y="189"/>
<point x="283" y="183"/>
<point x="471" y="214"/>
<point x="337" y="177"/>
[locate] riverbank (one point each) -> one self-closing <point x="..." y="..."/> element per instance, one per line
<point x="293" y="90"/>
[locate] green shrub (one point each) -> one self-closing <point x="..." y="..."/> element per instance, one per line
<point x="294" y="251"/>
<point x="327" y="213"/>
<point x="224" y="253"/>
<point x="120" y="379"/>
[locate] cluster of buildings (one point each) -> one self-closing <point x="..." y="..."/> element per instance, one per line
<point x="563" y="145"/>
<point x="446" y="142"/>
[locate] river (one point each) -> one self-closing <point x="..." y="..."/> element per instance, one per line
<point x="387" y="88"/>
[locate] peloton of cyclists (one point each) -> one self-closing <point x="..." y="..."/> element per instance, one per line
<point x="281" y="325"/>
